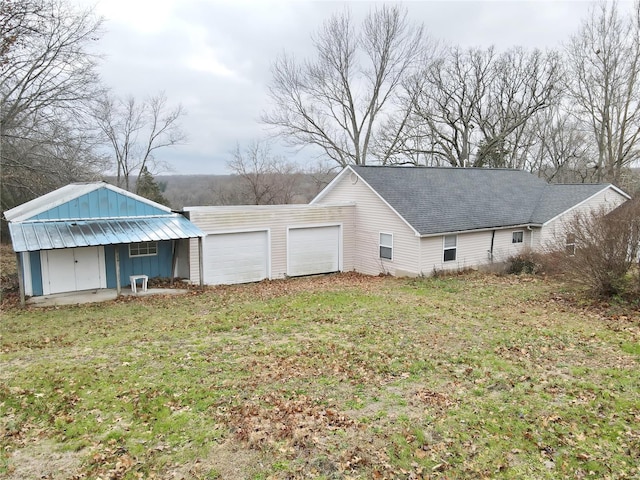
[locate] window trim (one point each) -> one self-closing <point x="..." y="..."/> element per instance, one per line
<point x="147" y="249"/>
<point x="446" y="249"/>
<point x="513" y="239"/>
<point x="381" y="246"/>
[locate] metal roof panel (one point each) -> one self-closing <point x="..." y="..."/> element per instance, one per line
<point x="48" y="235"/>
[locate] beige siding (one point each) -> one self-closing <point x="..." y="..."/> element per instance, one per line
<point x="276" y="219"/>
<point x="553" y="232"/>
<point x="503" y="246"/>
<point x="373" y="216"/>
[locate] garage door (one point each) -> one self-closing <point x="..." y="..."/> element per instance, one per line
<point x="236" y="258"/>
<point x="314" y="250"/>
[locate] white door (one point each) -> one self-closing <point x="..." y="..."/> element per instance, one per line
<point x="71" y="269"/>
<point x="313" y="250"/>
<point x="240" y="257"/>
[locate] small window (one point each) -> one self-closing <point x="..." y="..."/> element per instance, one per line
<point x="570" y="244"/>
<point x="517" y="237"/>
<point x="143" y="249"/>
<point x="450" y="247"/>
<point x="386" y="246"/>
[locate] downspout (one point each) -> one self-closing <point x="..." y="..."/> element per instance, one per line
<point x="20" y="278"/>
<point x="493" y="238"/>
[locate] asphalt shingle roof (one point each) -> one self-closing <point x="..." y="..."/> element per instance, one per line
<point x="438" y="200"/>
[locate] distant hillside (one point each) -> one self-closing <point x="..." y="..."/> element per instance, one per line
<point x="194" y="190"/>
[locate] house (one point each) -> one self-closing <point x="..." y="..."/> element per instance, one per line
<point x="413" y="221"/>
<point x="404" y="221"/>
<point x="94" y="235"/>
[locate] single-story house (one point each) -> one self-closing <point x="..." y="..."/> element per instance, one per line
<point x="403" y="221"/>
<point x="95" y="235"/>
<point x="391" y="220"/>
<point x="414" y="221"/>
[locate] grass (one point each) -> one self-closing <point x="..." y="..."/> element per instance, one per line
<point x="341" y="376"/>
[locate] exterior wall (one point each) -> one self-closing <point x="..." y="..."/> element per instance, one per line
<point x="473" y="249"/>
<point x="503" y="246"/>
<point x="35" y="266"/>
<point x="372" y="217"/>
<point x="100" y="203"/>
<point x="276" y="219"/>
<point x="155" y="266"/>
<point x="553" y="232"/>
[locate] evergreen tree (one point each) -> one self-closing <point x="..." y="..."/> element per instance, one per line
<point x="148" y="187"/>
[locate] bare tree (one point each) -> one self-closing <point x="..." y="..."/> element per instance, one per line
<point x="46" y="63"/>
<point x="337" y="101"/>
<point x="471" y="107"/>
<point x="135" y="131"/>
<point x="266" y="179"/>
<point x="604" y="58"/>
<point x="47" y="80"/>
<point x="559" y="150"/>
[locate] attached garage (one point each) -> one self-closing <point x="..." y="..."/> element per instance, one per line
<point x="236" y="257"/>
<point x="249" y="243"/>
<point x="314" y="249"/>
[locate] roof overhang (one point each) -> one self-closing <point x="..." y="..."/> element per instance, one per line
<point x="51" y="234"/>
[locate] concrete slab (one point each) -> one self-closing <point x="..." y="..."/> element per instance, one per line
<point x="96" y="295"/>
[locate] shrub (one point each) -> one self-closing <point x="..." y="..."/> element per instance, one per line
<point x="525" y="262"/>
<point x="604" y="247"/>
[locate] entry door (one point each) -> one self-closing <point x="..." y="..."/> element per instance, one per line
<point x="71" y="269"/>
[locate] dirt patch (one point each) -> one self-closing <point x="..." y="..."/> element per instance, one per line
<point x="43" y="461"/>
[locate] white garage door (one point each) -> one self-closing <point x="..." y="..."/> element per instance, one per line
<point x="314" y="250"/>
<point x="236" y="258"/>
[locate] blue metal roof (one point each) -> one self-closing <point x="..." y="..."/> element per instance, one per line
<point x="47" y="235"/>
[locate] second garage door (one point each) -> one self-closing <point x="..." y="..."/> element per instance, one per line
<point x="313" y="250"/>
<point x="240" y="257"/>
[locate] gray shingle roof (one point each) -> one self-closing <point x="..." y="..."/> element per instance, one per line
<point x="440" y="200"/>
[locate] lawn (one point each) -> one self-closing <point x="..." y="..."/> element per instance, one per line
<point x="340" y="376"/>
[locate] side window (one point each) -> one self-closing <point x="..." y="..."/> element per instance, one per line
<point x="570" y="244"/>
<point x="386" y="246"/>
<point x="143" y="249"/>
<point x="517" y="237"/>
<point x="450" y="247"/>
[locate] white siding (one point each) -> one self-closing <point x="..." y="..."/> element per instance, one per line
<point x="472" y="250"/>
<point x="553" y="232"/>
<point x="277" y="219"/>
<point x="503" y="246"/>
<point x="373" y="216"/>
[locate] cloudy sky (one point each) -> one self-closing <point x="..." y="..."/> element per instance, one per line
<point x="214" y="56"/>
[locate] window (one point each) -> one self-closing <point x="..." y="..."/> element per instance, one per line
<point x="570" y="244"/>
<point x="386" y="246"/>
<point x="450" y="246"/>
<point x="517" y="237"/>
<point x="144" y="249"/>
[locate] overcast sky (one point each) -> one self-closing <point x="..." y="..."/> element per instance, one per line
<point x="214" y="56"/>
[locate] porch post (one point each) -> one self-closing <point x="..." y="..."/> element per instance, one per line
<point x="174" y="259"/>
<point x="20" y="278"/>
<point x="118" y="286"/>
